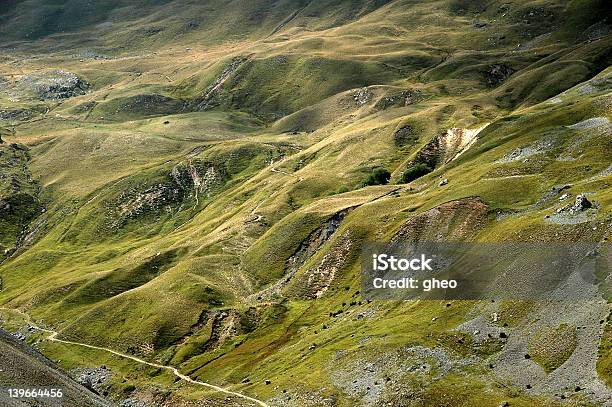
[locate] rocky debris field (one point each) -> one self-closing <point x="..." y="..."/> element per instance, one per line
<point x="93" y="378"/>
<point x="582" y="210"/>
<point x="193" y="183"/>
<point x="51" y="85"/>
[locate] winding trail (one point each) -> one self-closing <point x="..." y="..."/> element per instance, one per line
<point x="53" y="337"/>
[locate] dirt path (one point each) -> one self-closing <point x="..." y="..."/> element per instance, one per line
<point x="277" y="171"/>
<point x="53" y="337"/>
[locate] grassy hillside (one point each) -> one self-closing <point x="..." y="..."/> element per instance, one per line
<point x="199" y="195"/>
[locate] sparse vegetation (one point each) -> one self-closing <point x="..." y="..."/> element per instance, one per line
<point x="552" y="346"/>
<point x="199" y="195"/>
<point x="604" y="362"/>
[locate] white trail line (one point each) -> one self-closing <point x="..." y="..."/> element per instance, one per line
<point x="53" y="338"/>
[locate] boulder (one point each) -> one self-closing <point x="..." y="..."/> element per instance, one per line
<point x="582" y="203"/>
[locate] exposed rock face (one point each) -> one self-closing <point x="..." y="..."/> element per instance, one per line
<point x="447" y="146"/>
<point x="456" y="141"/>
<point x="582" y="203"/>
<point x="185" y="182"/>
<point x="452" y="221"/>
<point x="53" y="85"/>
<point x="92" y="378"/>
<point x="320" y="278"/>
<point x="306" y="250"/>
<point x="405" y="135"/>
<point x="497" y="74"/>
<point x="210" y="97"/>
<point x="362" y="96"/>
<point x="224" y="325"/>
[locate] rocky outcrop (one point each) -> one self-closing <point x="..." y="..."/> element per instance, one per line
<point x="92" y="378"/>
<point x="306" y="250"/>
<point x="582" y="203"/>
<point x="443" y="148"/>
<point x="399" y="99"/>
<point x="497" y="74"/>
<point x="209" y="98"/>
<point x="52" y="85"/>
<point x="459" y="220"/>
<point x="184" y="183"/>
<point x="581" y="211"/>
<point x="362" y="96"/>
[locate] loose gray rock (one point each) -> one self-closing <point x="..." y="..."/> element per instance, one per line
<point x="521" y="153"/>
<point x="133" y="403"/>
<point x="590" y="123"/>
<point x="52" y="85"/>
<point x="582" y="204"/>
<point x="362" y="96"/>
<point x="92" y="378"/>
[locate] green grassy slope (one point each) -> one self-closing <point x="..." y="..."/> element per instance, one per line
<point x="19" y="201"/>
<point x="202" y="203"/>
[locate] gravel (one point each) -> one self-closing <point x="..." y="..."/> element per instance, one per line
<point x="522" y="153"/>
<point x="578" y="370"/>
<point x="92" y="378"/>
<point x="511" y="366"/>
<point x="132" y="402"/>
<point x="605" y="173"/>
<point x="590" y="123"/>
<point x="372" y="381"/>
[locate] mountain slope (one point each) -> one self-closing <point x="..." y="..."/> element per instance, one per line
<point x="24" y="368"/>
<point x="201" y="194"/>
